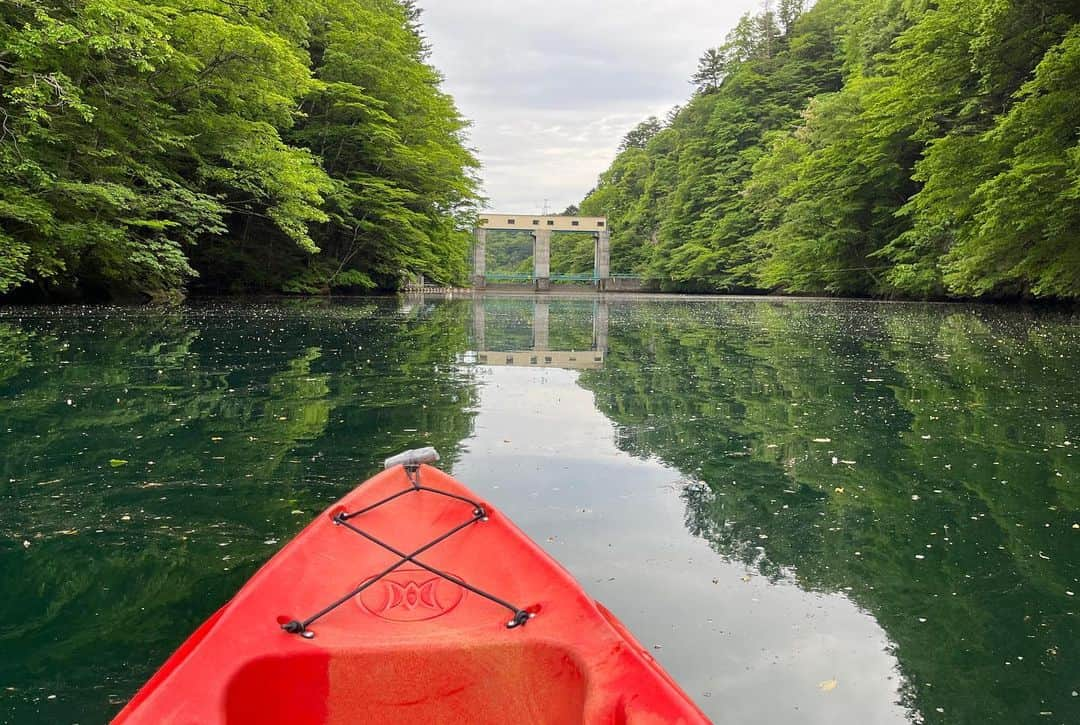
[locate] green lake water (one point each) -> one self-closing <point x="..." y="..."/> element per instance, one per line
<point x="810" y="511"/>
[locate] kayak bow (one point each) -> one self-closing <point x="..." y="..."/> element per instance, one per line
<point x="411" y="601"/>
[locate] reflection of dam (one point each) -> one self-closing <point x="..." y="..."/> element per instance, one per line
<point x="541" y="353"/>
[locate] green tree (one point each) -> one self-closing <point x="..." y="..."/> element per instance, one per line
<point x="262" y="144"/>
<point x="710" y="72"/>
<point x="885" y="148"/>
<point x="640" y="135"/>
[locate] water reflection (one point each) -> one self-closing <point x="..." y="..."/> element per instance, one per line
<point x="818" y="511"/>
<point x="571" y="348"/>
<point x="917" y="459"/>
<point x="150" y="462"/>
<point x="916" y="462"/>
<point x="745" y="648"/>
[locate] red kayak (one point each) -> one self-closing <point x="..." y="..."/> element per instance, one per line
<point x="411" y="601"/>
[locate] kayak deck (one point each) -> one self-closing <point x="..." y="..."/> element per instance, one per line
<point x="362" y="618"/>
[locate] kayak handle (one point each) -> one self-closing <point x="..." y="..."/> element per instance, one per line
<point x="413" y="458"/>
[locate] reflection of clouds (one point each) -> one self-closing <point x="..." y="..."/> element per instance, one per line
<point x="746" y="651"/>
<point x="537" y="75"/>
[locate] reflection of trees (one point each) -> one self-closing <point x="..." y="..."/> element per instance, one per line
<point x="571" y="324"/>
<point x="510" y="323"/>
<point x="954" y="422"/>
<point x="14" y="351"/>
<point x="230" y="419"/>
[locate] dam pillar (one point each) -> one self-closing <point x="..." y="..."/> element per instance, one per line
<point x="479" y="276"/>
<point x="479" y="323"/>
<point x="600" y="326"/>
<point x="541" y="325"/>
<point x="542" y="258"/>
<point x="603" y="258"/>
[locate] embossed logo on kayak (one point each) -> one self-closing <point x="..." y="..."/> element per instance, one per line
<point x="411" y="595"/>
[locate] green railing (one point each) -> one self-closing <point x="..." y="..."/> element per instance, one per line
<point x="581" y="277"/>
<point x="585" y="277"/>
<point x="508" y="277"/>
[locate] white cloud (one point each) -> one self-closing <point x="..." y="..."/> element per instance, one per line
<point x="553" y="85"/>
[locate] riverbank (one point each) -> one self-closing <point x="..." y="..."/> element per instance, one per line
<point x="558" y="291"/>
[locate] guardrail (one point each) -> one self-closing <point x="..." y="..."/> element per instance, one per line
<point x="508" y="277"/>
<point x="582" y="277"/>
<point x="587" y="277"/>
<point x="431" y="288"/>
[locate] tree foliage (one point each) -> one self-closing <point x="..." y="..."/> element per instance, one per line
<point x="251" y="144"/>
<point x="866" y="148"/>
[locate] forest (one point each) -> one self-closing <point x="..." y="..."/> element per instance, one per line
<point x="889" y="148"/>
<point x="225" y="146"/>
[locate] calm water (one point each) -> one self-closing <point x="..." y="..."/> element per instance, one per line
<point x="820" y="512"/>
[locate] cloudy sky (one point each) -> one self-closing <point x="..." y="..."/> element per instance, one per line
<point x="553" y="85"/>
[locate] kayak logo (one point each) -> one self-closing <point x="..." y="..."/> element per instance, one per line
<point x="411" y="595"/>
